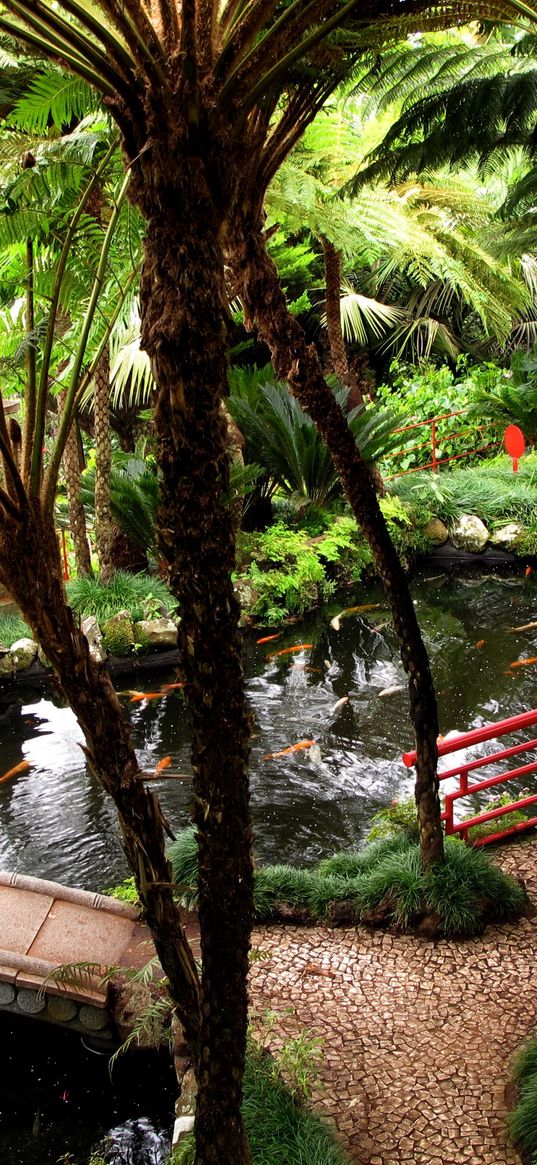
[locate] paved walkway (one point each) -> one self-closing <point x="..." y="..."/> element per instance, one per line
<point x="418" y="1036"/>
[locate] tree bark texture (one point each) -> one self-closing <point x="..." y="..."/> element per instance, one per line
<point x="104" y="525"/>
<point x="297" y="362"/>
<point x="183" y="314"/>
<point x="77" y="518"/>
<point x="338" y="351"/>
<point x="30" y="567"/>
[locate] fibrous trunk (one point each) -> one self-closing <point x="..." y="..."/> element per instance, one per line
<point x="297" y="362"/>
<point x="182" y="303"/>
<point x="31" y="569"/>
<point x="77" y="518"/>
<point x="104" y="526"/>
<point x="338" y="351"/>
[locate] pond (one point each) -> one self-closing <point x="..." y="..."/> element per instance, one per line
<point x="56" y="822"/>
<point x="58" y="1100"/>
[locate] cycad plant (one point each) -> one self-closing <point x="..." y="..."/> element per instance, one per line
<point x="283" y="439"/>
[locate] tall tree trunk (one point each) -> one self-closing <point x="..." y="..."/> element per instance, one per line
<point x="338" y="351"/>
<point x="297" y="362"/>
<point x="30" y="567"/>
<point x="104" y="526"/>
<point x="183" y="314"/>
<point x="77" y="518"/>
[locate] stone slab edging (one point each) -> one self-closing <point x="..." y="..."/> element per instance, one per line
<point x="87" y="898"/>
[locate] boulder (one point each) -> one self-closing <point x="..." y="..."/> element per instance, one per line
<point x="469" y="533"/>
<point x="508" y="537"/>
<point x="436" y="532"/>
<point x="22" y="654"/>
<point x="92" y="631"/>
<point x="156" y="632"/>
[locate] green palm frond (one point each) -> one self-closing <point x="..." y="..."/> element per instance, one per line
<point x="52" y="96"/>
<point x="364" y="319"/>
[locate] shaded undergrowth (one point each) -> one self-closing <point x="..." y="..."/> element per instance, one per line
<point x="382" y="884"/>
<point x="523" y="1121"/>
<point x="280" y="1130"/>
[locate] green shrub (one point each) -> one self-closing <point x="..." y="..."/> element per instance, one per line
<point x="131" y="592"/>
<point x="523" y="1121"/>
<point x="463" y="893"/>
<point x="399" y="817"/>
<point x="125" y="892"/>
<point x="507" y="821"/>
<point x="280" y="1131"/>
<point x="12" y="627"/>
<point x="118" y="635"/>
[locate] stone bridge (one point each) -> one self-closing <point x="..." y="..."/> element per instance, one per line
<point x="44" y="925"/>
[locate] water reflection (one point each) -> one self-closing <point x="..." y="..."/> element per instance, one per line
<point x="56" y="822"/>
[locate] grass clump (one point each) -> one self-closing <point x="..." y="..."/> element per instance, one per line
<point x="523" y="1121"/>
<point x="280" y="1131"/>
<point x="382" y="884"/>
<point x="125" y="892"/>
<point x="131" y="592"/>
<point x="12" y="628"/>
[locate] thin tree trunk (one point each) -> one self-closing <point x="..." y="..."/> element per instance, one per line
<point x="104" y="526"/>
<point x="77" y="517"/>
<point x="30" y="567"/>
<point x="183" y="311"/>
<point x="297" y="362"/>
<point x="338" y="351"/>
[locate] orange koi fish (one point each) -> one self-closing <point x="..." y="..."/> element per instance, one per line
<point x="289" y="650"/>
<point x="163" y="764"/>
<point x="524" y="662"/>
<point x="147" y="696"/>
<point x="528" y="571"/>
<point x="268" y="638"/>
<point x="20" y="768"/>
<point x="171" y="687"/>
<point x="292" y="748"/>
<point x="480" y="644"/>
<point x="305" y="667"/>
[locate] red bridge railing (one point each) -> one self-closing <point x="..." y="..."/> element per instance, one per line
<point x="435" y="436"/>
<point x="463" y="769"/>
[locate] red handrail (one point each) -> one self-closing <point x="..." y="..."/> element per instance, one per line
<point x="465" y="740"/>
<point x="435" y="442"/>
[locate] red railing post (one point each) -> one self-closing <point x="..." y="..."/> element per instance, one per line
<point x="433" y="437"/>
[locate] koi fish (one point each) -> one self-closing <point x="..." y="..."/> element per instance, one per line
<point x="292" y="748"/>
<point x="524" y="662"/>
<point x="335" y="622"/>
<point x="480" y="643"/>
<point x="268" y="638"/>
<point x="339" y="704"/>
<point x="305" y="667"/>
<point x="20" y="768"/>
<point x="392" y="691"/>
<point x="147" y="696"/>
<point x="523" y="627"/>
<point x="528" y="571"/>
<point x="289" y="650"/>
<point x="163" y="764"/>
<point x="171" y="687"/>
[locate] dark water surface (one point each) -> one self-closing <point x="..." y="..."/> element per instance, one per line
<point x="58" y="1100"/>
<point x="56" y="822"/>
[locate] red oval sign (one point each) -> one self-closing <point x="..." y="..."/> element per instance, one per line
<point x="513" y="440"/>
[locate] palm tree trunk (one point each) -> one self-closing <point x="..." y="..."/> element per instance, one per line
<point x="183" y="315"/>
<point x="77" y="517"/>
<point x="104" y="526"/>
<point x="297" y="362"/>
<point x="338" y="351"/>
<point x="30" y="567"/>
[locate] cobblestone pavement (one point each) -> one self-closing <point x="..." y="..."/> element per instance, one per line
<point x="418" y="1036"/>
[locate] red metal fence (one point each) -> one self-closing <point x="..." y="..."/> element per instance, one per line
<point x="465" y="740"/>
<point x="435" y="440"/>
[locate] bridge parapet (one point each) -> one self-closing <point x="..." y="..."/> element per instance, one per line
<point x="44" y="925"/>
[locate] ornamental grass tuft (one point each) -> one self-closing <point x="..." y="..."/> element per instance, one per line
<point x="523" y="1121"/>
<point x="384" y="884"/>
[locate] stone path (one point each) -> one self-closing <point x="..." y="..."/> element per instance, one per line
<point x="418" y="1036"/>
